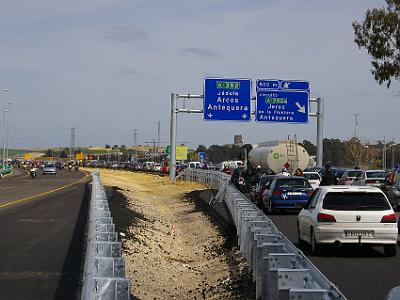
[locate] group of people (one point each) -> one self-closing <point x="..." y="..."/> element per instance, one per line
<point x="327" y="179"/>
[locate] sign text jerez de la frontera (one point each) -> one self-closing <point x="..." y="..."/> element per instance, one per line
<point x="282" y="101"/>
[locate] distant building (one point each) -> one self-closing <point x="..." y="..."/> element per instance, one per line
<point x="237" y="140"/>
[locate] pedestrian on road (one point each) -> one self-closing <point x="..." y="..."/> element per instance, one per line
<point x="328" y="178"/>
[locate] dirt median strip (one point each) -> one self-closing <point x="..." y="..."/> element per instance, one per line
<point x="172" y="248"/>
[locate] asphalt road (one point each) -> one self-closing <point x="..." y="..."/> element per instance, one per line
<point x="42" y="230"/>
<point x="359" y="272"/>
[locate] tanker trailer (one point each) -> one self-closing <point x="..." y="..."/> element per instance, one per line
<point x="276" y="155"/>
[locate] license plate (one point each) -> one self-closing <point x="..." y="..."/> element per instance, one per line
<point x="294" y="193"/>
<point x="357" y="233"/>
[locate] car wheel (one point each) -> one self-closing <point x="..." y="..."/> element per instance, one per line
<point x="389" y="250"/>
<point x="316" y="249"/>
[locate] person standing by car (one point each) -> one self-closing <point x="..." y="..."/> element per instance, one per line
<point x="328" y="178"/>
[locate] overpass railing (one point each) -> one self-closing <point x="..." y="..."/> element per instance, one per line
<point x="104" y="271"/>
<point x="280" y="270"/>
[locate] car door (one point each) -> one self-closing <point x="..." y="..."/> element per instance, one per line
<point x="306" y="217"/>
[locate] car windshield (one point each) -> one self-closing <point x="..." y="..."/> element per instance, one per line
<point x="311" y="176"/>
<point x="49" y="166"/>
<point x="292" y="183"/>
<point x="376" y="174"/>
<point x="354" y="173"/>
<point x="351" y="201"/>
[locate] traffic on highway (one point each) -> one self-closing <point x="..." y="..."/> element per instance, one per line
<point x="214" y="149"/>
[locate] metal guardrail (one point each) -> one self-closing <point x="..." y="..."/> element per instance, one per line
<point x="104" y="272"/>
<point x="280" y="270"/>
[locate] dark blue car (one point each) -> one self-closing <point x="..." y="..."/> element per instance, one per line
<point x="286" y="192"/>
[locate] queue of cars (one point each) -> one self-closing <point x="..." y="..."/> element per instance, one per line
<point x="360" y="210"/>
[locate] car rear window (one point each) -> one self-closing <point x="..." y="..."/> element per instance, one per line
<point x="293" y="183"/>
<point x="376" y="174"/>
<point x="339" y="173"/>
<point x="355" y="201"/>
<point x="354" y="173"/>
<point x="265" y="180"/>
<point x="311" y="176"/>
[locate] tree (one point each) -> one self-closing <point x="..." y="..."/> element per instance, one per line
<point x="49" y="152"/>
<point x="107" y="146"/>
<point x="310" y="147"/>
<point x="358" y="154"/>
<point x="201" y="148"/>
<point x="63" y="154"/>
<point x="333" y="152"/>
<point x="123" y="148"/>
<point x="379" y="33"/>
<point x="115" y="147"/>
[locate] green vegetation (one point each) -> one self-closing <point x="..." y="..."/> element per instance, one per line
<point x="379" y="34"/>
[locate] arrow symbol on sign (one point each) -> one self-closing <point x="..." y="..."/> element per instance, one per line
<point x="244" y="116"/>
<point x="210" y="115"/>
<point x="302" y="109"/>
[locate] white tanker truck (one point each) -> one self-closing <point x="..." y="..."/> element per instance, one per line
<point x="276" y="155"/>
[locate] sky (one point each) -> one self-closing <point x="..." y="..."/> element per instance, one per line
<point x="108" y="67"/>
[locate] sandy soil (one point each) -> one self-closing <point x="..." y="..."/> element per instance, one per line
<point x="172" y="249"/>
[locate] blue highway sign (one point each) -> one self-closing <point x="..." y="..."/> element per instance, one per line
<point x="282" y="101"/>
<point x="202" y="155"/>
<point x="227" y="99"/>
<point x="269" y="84"/>
<point x="295" y="85"/>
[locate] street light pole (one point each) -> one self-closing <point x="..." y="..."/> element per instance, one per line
<point x="8" y="130"/>
<point x="4" y="137"/>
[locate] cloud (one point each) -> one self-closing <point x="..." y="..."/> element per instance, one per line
<point x="126" y="34"/>
<point x="199" y="52"/>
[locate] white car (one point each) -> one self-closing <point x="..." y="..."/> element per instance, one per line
<point x="343" y="214"/>
<point x="371" y="178"/>
<point x="313" y="178"/>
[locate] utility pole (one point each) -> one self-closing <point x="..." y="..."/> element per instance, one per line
<point x="135" y="137"/>
<point x="356" y="124"/>
<point x="72" y="146"/>
<point x="384" y="154"/>
<point x="158" y="134"/>
<point x="4" y="138"/>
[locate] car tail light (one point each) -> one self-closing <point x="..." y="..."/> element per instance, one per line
<point x="389" y="218"/>
<point x="369" y="181"/>
<point x="349" y="179"/>
<point x="276" y="193"/>
<point x="325" y="218"/>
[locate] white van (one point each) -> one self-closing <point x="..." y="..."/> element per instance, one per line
<point x="194" y="165"/>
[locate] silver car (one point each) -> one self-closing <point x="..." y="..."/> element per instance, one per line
<point x="348" y="176"/>
<point x="49" y="169"/>
<point x="371" y="177"/>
